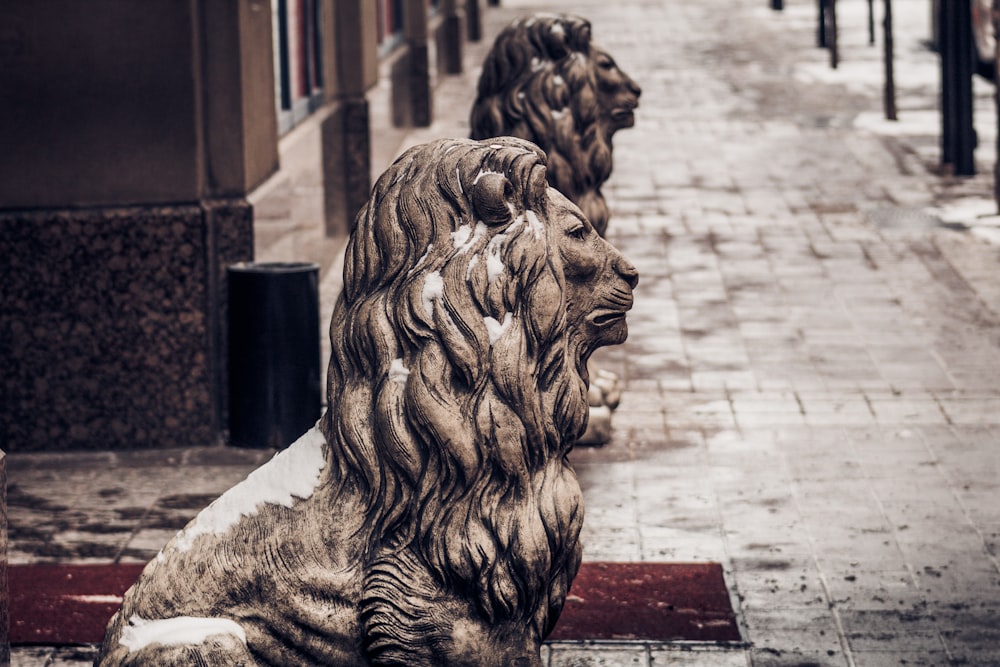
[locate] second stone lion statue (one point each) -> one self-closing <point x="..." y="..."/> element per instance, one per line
<point x="545" y="80"/>
<point x="431" y="516"/>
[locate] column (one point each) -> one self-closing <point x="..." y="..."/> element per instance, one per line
<point x="133" y="132"/>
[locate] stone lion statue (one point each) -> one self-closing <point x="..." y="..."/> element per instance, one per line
<point x="545" y="81"/>
<point x="431" y="516"/>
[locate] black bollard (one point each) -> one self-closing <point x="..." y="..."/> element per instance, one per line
<point x="274" y="371"/>
<point x="871" y="22"/>
<point x="958" y="134"/>
<point x="777" y="5"/>
<point x="821" y="24"/>
<point x="832" y="36"/>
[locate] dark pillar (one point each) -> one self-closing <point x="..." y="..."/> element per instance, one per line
<point x="777" y="5"/>
<point x="411" y="89"/>
<point x="123" y="189"/>
<point x="449" y="39"/>
<point x="831" y="26"/>
<point x="958" y="137"/>
<point x="274" y="375"/>
<point x="821" y="23"/>
<point x="346" y="134"/>
<point x="890" y="78"/>
<point x="473" y="20"/>
<point x="871" y="22"/>
<point x="346" y="163"/>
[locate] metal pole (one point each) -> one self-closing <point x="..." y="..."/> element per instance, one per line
<point x="777" y="5"/>
<point x="946" y="37"/>
<point x="890" y="83"/>
<point x="834" y="50"/>
<point x="871" y="22"/>
<point x="958" y="135"/>
<point x="996" y="61"/>
<point x="821" y="28"/>
<point x="965" y="135"/>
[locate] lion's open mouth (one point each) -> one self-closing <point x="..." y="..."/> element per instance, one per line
<point x="604" y="317"/>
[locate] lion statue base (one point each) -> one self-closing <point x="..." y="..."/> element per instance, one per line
<point x="603" y="398"/>
<point x="431" y="517"/>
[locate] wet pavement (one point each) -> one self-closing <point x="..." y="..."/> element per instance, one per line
<point x="812" y="379"/>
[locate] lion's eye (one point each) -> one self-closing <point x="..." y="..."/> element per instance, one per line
<point x="578" y="231"/>
<point x="605" y="63"/>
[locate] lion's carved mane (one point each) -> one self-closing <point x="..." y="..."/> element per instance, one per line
<point x="431" y="517"/>
<point x="460" y="456"/>
<point x="545" y="81"/>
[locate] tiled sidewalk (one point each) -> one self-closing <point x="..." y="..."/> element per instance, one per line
<point x="813" y="371"/>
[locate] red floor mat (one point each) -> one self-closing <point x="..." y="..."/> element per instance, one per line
<point x="652" y="601"/>
<point x="65" y="604"/>
<point x="70" y="604"/>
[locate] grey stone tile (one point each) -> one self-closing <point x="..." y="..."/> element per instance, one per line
<point x="697" y="656"/>
<point x="870" y="630"/>
<point x="73" y="655"/>
<point x="30" y="656"/>
<point x="794" y="629"/>
<point x="891" y="657"/>
<point x="598" y="655"/>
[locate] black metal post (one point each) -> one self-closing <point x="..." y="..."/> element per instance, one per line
<point x="946" y="17"/>
<point x="821" y="27"/>
<point x="831" y="6"/>
<point x="871" y="22"/>
<point x="890" y="81"/>
<point x="831" y="28"/>
<point x="996" y="88"/>
<point x="777" y="5"/>
<point x="958" y="135"/>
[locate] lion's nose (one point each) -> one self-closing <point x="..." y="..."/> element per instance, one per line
<point x="634" y="88"/>
<point x="627" y="271"/>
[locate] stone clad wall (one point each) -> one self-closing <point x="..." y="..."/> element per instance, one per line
<point x="111" y="317"/>
<point x="136" y="139"/>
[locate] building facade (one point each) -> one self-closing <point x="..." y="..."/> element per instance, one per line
<point x="133" y="138"/>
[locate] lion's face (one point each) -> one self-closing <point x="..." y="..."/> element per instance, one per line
<point x="540" y="67"/>
<point x="617" y="94"/>
<point x="599" y="280"/>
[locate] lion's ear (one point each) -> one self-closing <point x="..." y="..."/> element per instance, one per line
<point x="538" y="189"/>
<point x="491" y="196"/>
<point x="581" y="34"/>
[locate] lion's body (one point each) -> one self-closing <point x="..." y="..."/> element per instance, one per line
<point x="431" y="517"/>
<point x="545" y="81"/>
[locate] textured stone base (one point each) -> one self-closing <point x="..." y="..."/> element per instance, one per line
<point x="449" y="45"/>
<point x="599" y="427"/>
<point x="603" y="396"/>
<point x="346" y="164"/>
<point x="411" y="92"/>
<point x="112" y="328"/>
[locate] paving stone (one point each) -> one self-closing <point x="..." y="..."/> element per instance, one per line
<point x="597" y="655"/>
<point x="811" y="376"/>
